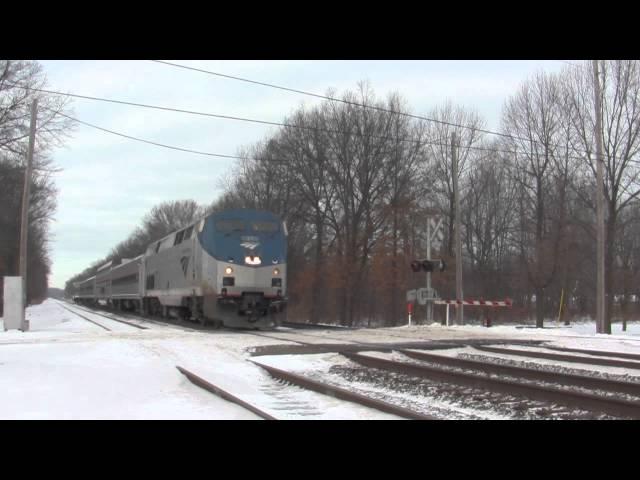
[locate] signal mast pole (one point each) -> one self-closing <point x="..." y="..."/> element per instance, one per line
<point x="429" y="304"/>
<point x="601" y="324"/>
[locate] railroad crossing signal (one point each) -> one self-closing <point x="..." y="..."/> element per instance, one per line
<point x="428" y="265"/>
<point x="437" y="232"/>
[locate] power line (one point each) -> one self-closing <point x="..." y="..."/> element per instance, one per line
<point x="266" y="122"/>
<point x="215" y="115"/>
<point x="373" y="107"/>
<point x="198" y="152"/>
<point x="154" y="143"/>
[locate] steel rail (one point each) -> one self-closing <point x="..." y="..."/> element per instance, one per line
<point x="343" y="394"/>
<point x="111" y="318"/>
<point x="210" y="387"/>
<point x="85" y="318"/>
<point x="576" y="380"/>
<point x="597" y="353"/>
<point x="559" y="357"/>
<point x="585" y="401"/>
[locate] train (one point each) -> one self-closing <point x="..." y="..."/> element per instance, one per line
<point x="228" y="269"/>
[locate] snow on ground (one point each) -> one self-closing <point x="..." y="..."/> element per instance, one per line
<point x="100" y="380"/>
<point x="65" y="367"/>
<point x="68" y="368"/>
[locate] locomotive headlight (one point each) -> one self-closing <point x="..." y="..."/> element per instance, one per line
<point x="276" y="271"/>
<point x="228" y="270"/>
<point x="252" y="260"/>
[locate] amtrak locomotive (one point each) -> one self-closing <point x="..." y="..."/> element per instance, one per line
<point x="227" y="269"/>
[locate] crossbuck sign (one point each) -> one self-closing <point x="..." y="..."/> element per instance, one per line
<point x="437" y="233"/>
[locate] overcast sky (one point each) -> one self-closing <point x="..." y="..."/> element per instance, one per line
<point x="108" y="183"/>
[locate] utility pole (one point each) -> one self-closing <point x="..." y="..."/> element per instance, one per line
<point x="456" y="195"/>
<point x="24" y="222"/>
<point x="429" y="304"/>
<point x="601" y="324"/>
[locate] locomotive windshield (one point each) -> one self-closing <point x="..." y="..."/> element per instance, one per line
<point x="227" y="226"/>
<point x="237" y="234"/>
<point x="267" y="227"/>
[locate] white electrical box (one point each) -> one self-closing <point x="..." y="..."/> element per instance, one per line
<point x="411" y="296"/>
<point x="425" y="295"/>
<point x="12" y="303"/>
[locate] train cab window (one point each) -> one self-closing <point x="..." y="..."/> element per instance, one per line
<point x="267" y="227"/>
<point x="187" y="233"/>
<point x="158" y="247"/>
<point x="179" y="236"/>
<point x="228" y="226"/>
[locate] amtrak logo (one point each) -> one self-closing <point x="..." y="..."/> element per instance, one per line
<point x="250" y="243"/>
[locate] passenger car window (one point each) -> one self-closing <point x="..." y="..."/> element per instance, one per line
<point x="179" y="236"/>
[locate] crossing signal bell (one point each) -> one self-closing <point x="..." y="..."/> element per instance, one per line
<point x="428" y="265"/>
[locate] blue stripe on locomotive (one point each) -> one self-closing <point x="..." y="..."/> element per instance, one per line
<point x="222" y="246"/>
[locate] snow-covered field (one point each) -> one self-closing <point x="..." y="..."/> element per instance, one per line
<point x="66" y="367"/>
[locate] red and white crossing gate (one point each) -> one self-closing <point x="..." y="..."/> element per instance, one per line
<point x="483" y="303"/>
<point x="474" y="303"/>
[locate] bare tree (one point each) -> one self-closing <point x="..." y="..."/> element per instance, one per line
<point x="170" y="216"/>
<point x="533" y="118"/>
<point x="489" y="219"/>
<point x="621" y="143"/>
<point x="438" y="172"/>
<point x="17" y="80"/>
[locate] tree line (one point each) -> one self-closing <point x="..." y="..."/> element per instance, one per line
<point x="356" y="186"/>
<point x="357" y="179"/>
<point x="52" y="130"/>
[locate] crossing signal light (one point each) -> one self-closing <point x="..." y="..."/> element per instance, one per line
<point x="428" y="265"/>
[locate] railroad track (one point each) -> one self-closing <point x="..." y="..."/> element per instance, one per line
<point x="520" y="384"/>
<point x="141" y="318"/>
<point x="533" y="374"/>
<point x="147" y="319"/>
<point x="305" y="383"/>
<point x="119" y="320"/>
<point x="597" y="353"/>
<point x="220" y="392"/>
<point x="86" y="318"/>
<point x="439" y="372"/>
<point x="342" y="394"/>
<point x="311" y="326"/>
<point x="199" y="327"/>
<point x="606" y="362"/>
